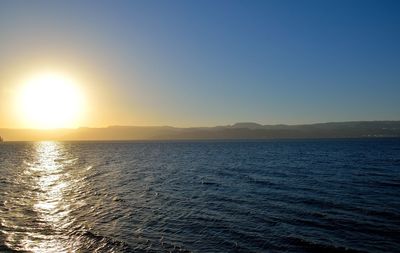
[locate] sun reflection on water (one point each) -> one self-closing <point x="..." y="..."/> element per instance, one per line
<point x="51" y="184"/>
<point x="47" y="182"/>
<point x="53" y="201"/>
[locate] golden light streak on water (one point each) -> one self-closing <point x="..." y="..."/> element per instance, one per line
<point x="49" y="181"/>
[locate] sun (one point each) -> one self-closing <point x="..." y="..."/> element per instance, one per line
<point x="50" y="100"/>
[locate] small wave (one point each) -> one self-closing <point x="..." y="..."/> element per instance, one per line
<point x="95" y="242"/>
<point x="99" y="243"/>
<point x="6" y="249"/>
<point x="28" y="163"/>
<point x="72" y="160"/>
<point x="209" y="183"/>
<point x="316" y="247"/>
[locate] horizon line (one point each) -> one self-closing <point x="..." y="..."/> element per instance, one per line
<point x="181" y="127"/>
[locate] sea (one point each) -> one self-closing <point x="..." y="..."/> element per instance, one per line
<point x="334" y="195"/>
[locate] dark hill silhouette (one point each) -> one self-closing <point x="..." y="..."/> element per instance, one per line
<point x="247" y="130"/>
<point x="249" y="125"/>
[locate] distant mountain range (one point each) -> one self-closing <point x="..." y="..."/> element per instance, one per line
<point x="243" y="130"/>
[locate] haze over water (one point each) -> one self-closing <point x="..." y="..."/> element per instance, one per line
<point x="270" y="196"/>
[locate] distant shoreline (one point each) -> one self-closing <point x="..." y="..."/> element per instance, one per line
<point x="207" y="140"/>
<point x="238" y="131"/>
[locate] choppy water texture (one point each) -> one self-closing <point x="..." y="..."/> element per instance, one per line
<point x="273" y="196"/>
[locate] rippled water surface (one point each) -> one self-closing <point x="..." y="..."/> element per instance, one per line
<point x="273" y="196"/>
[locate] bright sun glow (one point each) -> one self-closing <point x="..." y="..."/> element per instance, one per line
<point x="50" y="101"/>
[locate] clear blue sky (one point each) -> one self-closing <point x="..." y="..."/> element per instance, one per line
<point x="220" y="62"/>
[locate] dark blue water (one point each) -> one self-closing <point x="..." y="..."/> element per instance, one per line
<point x="272" y="196"/>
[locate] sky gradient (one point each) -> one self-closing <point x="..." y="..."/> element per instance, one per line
<point x="204" y="63"/>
